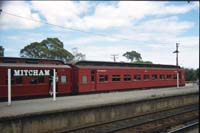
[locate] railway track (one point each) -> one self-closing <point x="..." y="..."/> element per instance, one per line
<point x="151" y="122"/>
<point x="185" y="128"/>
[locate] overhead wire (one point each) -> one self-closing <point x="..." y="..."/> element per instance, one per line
<point x="68" y="28"/>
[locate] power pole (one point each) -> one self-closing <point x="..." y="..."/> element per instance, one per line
<point x="177" y="71"/>
<point x="114" y="57"/>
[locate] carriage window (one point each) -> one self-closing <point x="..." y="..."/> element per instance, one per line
<point x="162" y="77"/>
<point x="154" y="77"/>
<point x="175" y="76"/>
<point x="41" y="79"/>
<point x="63" y="79"/>
<point x="84" y="79"/>
<point x="169" y="76"/>
<point x="33" y="81"/>
<point x="103" y="78"/>
<point x="115" y="77"/>
<point x="92" y="75"/>
<point x="137" y="77"/>
<point x="18" y="80"/>
<point x="146" y="77"/>
<point x="127" y="77"/>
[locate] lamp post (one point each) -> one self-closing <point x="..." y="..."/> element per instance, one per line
<point x="177" y="71"/>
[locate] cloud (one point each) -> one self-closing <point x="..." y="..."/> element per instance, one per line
<point x="103" y="53"/>
<point x="188" y="41"/>
<point x="84" y="15"/>
<point x="125" y="13"/>
<point x="89" y="40"/>
<point x="64" y="13"/>
<point x="20" y="8"/>
<point x="167" y="25"/>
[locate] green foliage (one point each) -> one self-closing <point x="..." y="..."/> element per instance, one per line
<point x="1" y="51"/>
<point x="133" y="56"/>
<point x="191" y="74"/>
<point x="50" y="48"/>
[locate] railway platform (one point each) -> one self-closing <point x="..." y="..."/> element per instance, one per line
<point x="73" y="112"/>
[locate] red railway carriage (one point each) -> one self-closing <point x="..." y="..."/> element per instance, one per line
<point x="34" y="79"/>
<point x="106" y="76"/>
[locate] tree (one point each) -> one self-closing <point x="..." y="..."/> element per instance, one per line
<point x="1" y="51"/>
<point x="197" y="73"/>
<point x="133" y="56"/>
<point x="77" y="55"/>
<point x="50" y="48"/>
<point x="191" y="74"/>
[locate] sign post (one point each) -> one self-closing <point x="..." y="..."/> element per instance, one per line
<point x="9" y="86"/>
<point x="54" y="84"/>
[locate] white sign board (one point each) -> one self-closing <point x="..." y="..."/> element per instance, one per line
<point x="31" y="72"/>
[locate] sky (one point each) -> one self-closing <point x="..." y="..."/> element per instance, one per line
<point x="104" y="28"/>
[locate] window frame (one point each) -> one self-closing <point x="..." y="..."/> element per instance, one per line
<point x="168" y="77"/>
<point x="137" y="77"/>
<point x="127" y="77"/>
<point x="152" y="77"/>
<point x="116" y="78"/>
<point x="61" y="79"/>
<point x="103" y="78"/>
<point x="162" y="76"/>
<point x="84" y="80"/>
<point x="145" y="79"/>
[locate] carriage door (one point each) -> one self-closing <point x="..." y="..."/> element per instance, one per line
<point x="93" y="79"/>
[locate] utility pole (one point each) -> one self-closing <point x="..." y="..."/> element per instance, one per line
<point x="114" y="57"/>
<point x="177" y="71"/>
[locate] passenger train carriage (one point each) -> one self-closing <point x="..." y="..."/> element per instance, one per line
<point x="101" y="76"/>
<point x="33" y="77"/>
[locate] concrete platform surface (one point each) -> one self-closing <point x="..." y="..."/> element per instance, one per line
<point x="71" y="103"/>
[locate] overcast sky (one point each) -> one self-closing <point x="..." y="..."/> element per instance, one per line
<point x="150" y="28"/>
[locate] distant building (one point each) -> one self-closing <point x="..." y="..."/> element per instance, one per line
<point x="1" y="51"/>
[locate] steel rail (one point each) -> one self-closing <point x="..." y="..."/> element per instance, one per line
<point x="188" y="126"/>
<point x="185" y="109"/>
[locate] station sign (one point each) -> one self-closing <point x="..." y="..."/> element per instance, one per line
<point x="26" y="72"/>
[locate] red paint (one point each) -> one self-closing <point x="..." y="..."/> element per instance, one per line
<point x="76" y="74"/>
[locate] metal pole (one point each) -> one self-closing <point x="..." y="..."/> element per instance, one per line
<point x="54" y="84"/>
<point x="9" y="86"/>
<point x="177" y="69"/>
<point x="177" y="65"/>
